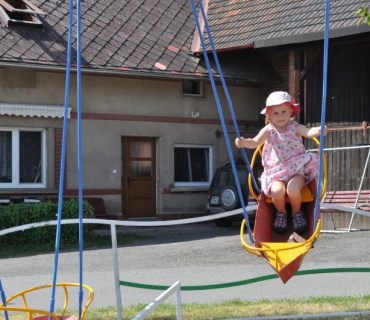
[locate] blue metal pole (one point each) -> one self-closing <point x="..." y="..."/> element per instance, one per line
<point x="230" y="104"/>
<point x="79" y="129"/>
<point x="3" y="298"/>
<point x="62" y="161"/>
<point x="223" y="124"/>
<point x="323" y="108"/>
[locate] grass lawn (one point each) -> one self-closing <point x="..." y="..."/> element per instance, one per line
<point x="240" y="309"/>
<point x="245" y="309"/>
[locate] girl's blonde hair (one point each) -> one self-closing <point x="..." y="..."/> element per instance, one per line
<point x="268" y="117"/>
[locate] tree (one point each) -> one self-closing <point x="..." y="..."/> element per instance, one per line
<point x="364" y="14"/>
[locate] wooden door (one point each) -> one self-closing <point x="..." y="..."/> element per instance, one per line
<point x="139" y="177"/>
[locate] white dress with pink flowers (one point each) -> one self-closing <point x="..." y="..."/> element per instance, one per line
<point x="284" y="156"/>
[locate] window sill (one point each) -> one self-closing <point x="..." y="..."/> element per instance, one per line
<point x="20" y="191"/>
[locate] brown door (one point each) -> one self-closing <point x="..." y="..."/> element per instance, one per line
<point x="139" y="177"/>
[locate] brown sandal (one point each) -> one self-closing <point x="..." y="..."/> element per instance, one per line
<point x="281" y="222"/>
<point x="299" y="222"/>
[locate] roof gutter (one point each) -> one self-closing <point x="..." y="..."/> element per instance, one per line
<point x="309" y="37"/>
<point x="105" y="72"/>
<point x="246" y="46"/>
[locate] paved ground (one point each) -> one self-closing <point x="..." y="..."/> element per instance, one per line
<point x="195" y="254"/>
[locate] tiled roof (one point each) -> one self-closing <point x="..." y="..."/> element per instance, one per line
<point x="127" y="35"/>
<point x="239" y="23"/>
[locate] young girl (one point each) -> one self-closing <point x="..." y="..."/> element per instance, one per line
<point x="287" y="167"/>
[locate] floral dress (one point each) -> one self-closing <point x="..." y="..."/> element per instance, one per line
<point x="284" y="156"/>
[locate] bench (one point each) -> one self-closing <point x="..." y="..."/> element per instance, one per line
<point x="347" y="199"/>
<point x="98" y="206"/>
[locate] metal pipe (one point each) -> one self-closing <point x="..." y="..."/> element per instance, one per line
<point x="116" y="271"/>
<point x="359" y="189"/>
<point x="340" y="148"/>
<point x="362" y="178"/>
<point x="178" y="302"/>
<point x="107" y="72"/>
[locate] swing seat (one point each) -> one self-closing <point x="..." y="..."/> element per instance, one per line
<point x="36" y="314"/>
<point x="306" y="193"/>
<point x="284" y="252"/>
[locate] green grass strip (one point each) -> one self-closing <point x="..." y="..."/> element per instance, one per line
<point x="242" y="282"/>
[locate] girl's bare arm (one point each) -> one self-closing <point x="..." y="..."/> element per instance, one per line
<point x="310" y="132"/>
<point x="252" y="143"/>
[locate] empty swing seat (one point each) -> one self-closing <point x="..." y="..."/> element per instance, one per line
<point x="36" y="314"/>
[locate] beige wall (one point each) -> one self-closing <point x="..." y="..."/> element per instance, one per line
<point x="102" y="138"/>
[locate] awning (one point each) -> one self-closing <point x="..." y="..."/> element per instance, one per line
<point x="29" y="110"/>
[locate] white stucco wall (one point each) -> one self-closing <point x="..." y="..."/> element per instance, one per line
<point x="102" y="138"/>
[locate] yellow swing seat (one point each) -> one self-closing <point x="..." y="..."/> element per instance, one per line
<point x="36" y="314"/>
<point x="284" y="252"/>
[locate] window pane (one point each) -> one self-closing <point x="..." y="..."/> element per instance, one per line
<point x="140" y="168"/>
<point x="30" y="155"/>
<point x="224" y="178"/>
<point x="191" y="87"/>
<point x="5" y="156"/>
<point x="199" y="164"/>
<point x="191" y="164"/>
<point x="181" y="165"/>
<point x="140" y="150"/>
<point x="243" y="176"/>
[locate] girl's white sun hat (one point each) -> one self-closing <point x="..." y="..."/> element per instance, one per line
<point x="279" y="97"/>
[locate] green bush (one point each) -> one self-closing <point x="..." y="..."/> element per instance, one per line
<point x="24" y="213"/>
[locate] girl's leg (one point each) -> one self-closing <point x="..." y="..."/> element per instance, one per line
<point x="294" y="188"/>
<point x="278" y="196"/>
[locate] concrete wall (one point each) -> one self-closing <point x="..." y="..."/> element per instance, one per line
<point x="122" y="98"/>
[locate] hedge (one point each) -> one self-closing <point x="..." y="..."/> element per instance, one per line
<point x="14" y="215"/>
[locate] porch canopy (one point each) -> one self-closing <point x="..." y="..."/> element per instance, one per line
<point x="29" y="110"/>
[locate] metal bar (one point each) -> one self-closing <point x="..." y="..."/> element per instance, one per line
<point x="362" y="178"/>
<point x="178" y="302"/>
<point x="131" y="223"/>
<point x="341" y="148"/>
<point x="116" y="271"/>
<point x="359" y="189"/>
<point x="156" y="302"/>
<point x="105" y="72"/>
<point x="29" y="11"/>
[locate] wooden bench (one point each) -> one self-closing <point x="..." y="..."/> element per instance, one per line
<point x="347" y="199"/>
<point x="98" y="206"/>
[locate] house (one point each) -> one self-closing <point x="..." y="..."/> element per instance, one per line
<point x="151" y="133"/>
<point x="289" y="34"/>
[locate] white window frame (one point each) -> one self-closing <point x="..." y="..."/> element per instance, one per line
<point x="210" y="162"/>
<point x="15" y="159"/>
